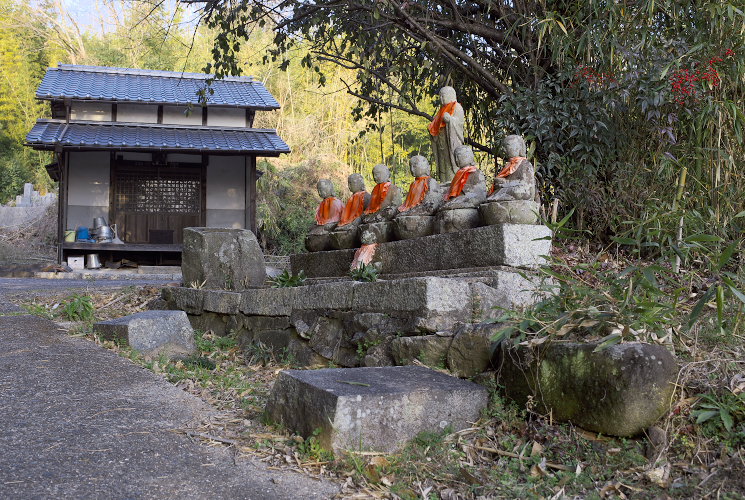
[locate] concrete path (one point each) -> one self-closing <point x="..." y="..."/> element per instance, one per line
<point x="78" y="421"/>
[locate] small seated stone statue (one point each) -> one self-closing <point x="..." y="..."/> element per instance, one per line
<point x="327" y="216"/>
<point x="466" y="192"/>
<point x="386" y="197"/>
<point x="416" y="216"/>
<point x="513" y="200"/>
<point x="346" y="233"/>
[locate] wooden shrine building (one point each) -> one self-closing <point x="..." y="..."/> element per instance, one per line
<point x="135" y="147"/>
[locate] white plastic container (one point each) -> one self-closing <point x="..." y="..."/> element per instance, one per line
<point x="76" y="262"/>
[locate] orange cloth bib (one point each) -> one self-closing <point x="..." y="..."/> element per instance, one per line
<point x="511" y="166"/>
<point x="459" y="181"/>
<point x="417" y="191"/>
<point x="364" y="255"/>
<point x="329" y="211"/>
<point x="438" y="123"/>
<point x="354" y="208"/>
<point x="380" y="191"/>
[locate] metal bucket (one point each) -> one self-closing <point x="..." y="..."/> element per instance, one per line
<point x="104" y="233"/>
<point x="98" y="222"/>
<point x="92" y="261"/>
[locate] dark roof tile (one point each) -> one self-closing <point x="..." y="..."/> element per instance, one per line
<point x="148" y="86"/>
<point x="47" y="134"/>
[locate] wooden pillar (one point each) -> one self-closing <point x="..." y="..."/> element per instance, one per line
<point x="251" y="193"/>
<point x="61" y="204"/>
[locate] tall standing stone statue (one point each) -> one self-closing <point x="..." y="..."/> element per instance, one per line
<point x="346" y="233"/>
<point x="327" y="216"/>
<point x="446" y="133"/>
<point x="513" y="200"/>
<point x="416" y="216"/>
<point x="467" y="191"/>
<point x="386" y="197"/>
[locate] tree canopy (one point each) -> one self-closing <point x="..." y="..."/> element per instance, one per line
<point x="595" y="86"/>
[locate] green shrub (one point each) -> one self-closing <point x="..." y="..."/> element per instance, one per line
<point x="363" y="272"/>
<point x="287" y="279"/>
<point x="79" y="308"/>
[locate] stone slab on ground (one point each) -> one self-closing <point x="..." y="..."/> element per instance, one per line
<point x="374" y="408"/>
<point x="516" y="245"/>
<point x="80" y="421"/>
<point x="152" y="333"/>
<point x="617" y="391"/>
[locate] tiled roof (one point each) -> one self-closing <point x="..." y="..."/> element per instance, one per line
<point x="98" y="83"/>
<point x="47" y="134"/>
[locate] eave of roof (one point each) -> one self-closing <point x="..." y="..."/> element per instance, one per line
<point x="52" y="135"/>
<point x="104" y="84"/>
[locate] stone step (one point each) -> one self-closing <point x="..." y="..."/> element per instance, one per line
<point x="515" y="245"/>
<point x="372" y="409"/>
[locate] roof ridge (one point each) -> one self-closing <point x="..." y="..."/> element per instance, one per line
<point x="150" y="72"/>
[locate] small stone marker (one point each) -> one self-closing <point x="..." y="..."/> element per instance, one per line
<point x="152" y="333"/>
<point x="378" y="409"/>
<point x="221" y="258"/>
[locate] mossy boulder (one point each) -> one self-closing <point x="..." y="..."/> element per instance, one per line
<point x="618" y="391"/>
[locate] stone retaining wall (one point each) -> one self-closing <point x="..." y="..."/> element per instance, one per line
<point x="349" y="323"/>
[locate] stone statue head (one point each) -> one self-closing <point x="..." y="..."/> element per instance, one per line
<point x="447" y="94"/>
<point x="356" y="183"/>
<point x="381" y="173"/>
<point x="419" y="166"/>
<point x="325" y="188"/>
<point x="514" y="145"/>
<point x="464" y="156"/>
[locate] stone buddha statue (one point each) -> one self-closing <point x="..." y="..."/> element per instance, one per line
<point x="466" y="192"/>
<point x="327" y="216"/>
<point x="386" y="197"/>
<point x="346" y="232"/>
<point x="513" y="200"/>
<point x="446" y="133"/>
<point x="416" y="216"/>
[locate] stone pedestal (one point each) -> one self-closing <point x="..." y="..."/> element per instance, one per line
<point x="228" y="259"/>
<point x="509" y="212"/>
<point x="346" y="237"/>
<point x="406" y="227"/>
<point x="318" y="239"/>
<point x="457" y="219"/>
<point x="376" y="232"/>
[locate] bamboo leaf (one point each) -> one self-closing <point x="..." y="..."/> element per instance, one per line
<point x="726" y="255"/>
<point x="696" y="311"/>
<point x="608" y="341"/>
<point x="700" y="237"/>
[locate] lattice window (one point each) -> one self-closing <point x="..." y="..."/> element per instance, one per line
<point x="153" y="192"/>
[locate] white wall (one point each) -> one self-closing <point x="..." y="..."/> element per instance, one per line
<point x="226" y="196"/>
<point x="93" y="111"/>
<point x="142" y="113"/>
<point x="176" y="115"/>
<point x="87" y="188"/>
<point x="226" y="117"/>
